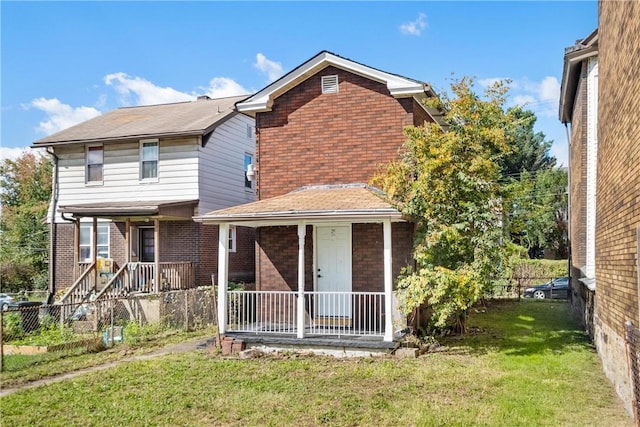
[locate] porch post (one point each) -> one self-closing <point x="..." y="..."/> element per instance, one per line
<point x="94" y="252"/>
<point x="156" y="254"/>
<point x="127" y="240"/>
<point x="388" y="282"/>
<point x="223" y="270"/>
<point x="302" y="231"/>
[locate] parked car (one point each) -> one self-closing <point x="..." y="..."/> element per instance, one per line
<point x="6" y="301"/>
<point x="555" y="288"/>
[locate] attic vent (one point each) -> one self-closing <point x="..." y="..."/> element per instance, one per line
<point x="329" y="84"/>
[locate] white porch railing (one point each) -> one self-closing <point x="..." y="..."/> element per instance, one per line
<point x="326" y="313"/>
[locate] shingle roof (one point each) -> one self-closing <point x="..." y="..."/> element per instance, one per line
<point x="182" y="118"/>
<point x="333" y="201"/>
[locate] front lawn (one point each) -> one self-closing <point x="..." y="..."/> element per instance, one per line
<point x="522" y="364"/>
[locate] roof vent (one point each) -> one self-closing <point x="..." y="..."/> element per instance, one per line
<point x="329" y="84"/>
<point x="203" y="98"/>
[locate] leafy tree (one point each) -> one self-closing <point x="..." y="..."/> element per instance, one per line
<point x="536" y="211"/>
<point x="448" y="181"/>
<point x="25" y="190"/>
<point x="529" y="149"/>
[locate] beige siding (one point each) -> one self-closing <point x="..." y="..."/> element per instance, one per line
<point x="177" y="174"/>
<point x="222" y="166"/>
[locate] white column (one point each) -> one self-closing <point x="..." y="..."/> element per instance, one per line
<point x="223" y="276"/>
<point x="302" y="231"/>
<point x="156" y="255"/>
<point x="388" y="282"/>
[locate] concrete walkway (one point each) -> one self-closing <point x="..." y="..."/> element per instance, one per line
<point x="170" y="349"/>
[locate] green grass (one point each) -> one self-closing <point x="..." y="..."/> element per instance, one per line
<point x="522" y="364"/>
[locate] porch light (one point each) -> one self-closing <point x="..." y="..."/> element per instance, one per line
<point x="251" y="173"/>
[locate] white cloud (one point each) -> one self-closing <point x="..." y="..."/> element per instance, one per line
<point x="222" y="87"/>
<point x="272" y="69"/>
<point x="12" y="153"/>
<point x="414" y="28"/>
<point x="550" y="89"/>
<point x="60" y="116"/>
<point x="523" y="100"/>
<point x="145" y="92"/>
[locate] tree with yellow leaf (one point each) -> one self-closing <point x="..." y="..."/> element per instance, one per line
<point x="447" y="180"/>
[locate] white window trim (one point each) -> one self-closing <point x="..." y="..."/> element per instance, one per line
<point x="142" y="142"/>
<point x="251" y="183"/>
<point x="86" y="165"/>
<point x="233" y="241"/>
<point x="89" y="225"/>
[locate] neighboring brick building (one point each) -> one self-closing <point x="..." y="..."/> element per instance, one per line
<point x="321" y="232"/>
<point x="618" y="187"/>
<point x="578" y="108"/>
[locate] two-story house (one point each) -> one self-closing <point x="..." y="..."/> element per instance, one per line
<point x="126" y="187"/>
<point x="328" y="245"/>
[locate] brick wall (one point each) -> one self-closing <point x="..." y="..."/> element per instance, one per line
<point x="578" y="170"/>
<point x="618" y="186"/>
<point x="277" y="252"/>
<point x="581" y="297"/>
<point x="179" y="241"/>
<point x="314" y="138"/>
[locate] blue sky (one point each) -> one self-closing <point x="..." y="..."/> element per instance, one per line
<point x="65" y="62"/>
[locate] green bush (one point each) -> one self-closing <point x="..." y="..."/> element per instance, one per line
<point x="12" y="327"/>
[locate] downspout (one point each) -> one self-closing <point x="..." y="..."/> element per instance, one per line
<point x="53" y="229"/>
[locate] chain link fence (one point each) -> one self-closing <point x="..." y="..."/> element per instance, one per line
<point x="31" y="330"/>
<point x="516" y="288"/>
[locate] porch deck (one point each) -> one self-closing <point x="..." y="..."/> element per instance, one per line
<point x="323" y="344"/>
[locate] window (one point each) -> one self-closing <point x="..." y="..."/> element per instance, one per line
<point x="149" y="159"/>
<point x="248" y="160"/>
<point x="232" y="238"/>
<point x="329" y="84"/>
<point x="249" y="131"/>
<point x="86" y="234"/>
<point x="94" y="163"/>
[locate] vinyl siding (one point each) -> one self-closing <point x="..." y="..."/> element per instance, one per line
<point x="214" y="174"/>
<point x="222" y="166"/>
<point x="177" y="174"/>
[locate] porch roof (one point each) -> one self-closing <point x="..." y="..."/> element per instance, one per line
<point x="350" y="202"/>
<point x="165" y="209"/>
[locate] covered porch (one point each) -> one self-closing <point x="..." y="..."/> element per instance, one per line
<point x="135" y="263"/>
<point x="325" y="265"/>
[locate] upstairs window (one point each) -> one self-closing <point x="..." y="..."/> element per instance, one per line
<point x="329" y="84"/>
<point x="86" y="237"/>
<point x="248" y="161"/>
<point x="94" y="163"/>
<point x="149" y="159"/>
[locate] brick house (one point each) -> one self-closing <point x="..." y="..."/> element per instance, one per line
<point x="605" y="184"/>
<point x="127" y="184"/>
<point x="578" y="111"/>
<point x="328" y="246"/>
<point x="618" y="188"/>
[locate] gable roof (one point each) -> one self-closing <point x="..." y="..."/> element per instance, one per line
<point x="399" y="86"/>
<point x="197" y="117"/>
<point x="322" y="202"/>
<point x="573" y="58"/>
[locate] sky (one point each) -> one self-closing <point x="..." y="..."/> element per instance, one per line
<point x="65" y="62"/>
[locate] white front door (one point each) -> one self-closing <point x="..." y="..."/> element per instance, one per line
<point x="333" y="270"/>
